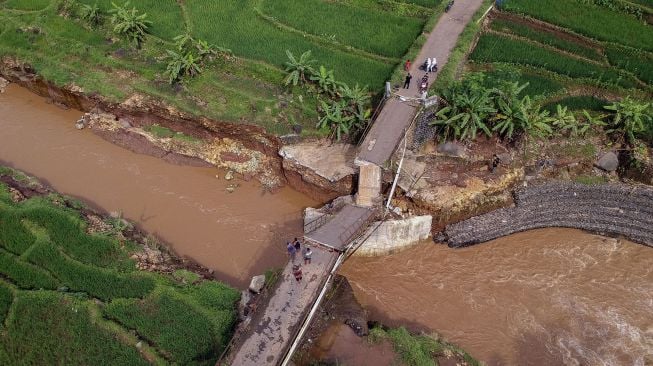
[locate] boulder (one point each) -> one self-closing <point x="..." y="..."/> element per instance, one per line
<point x="229" y="175"/>
<point x="257" y="283"/>
<point x="454" y="149"/>
<point x="608" y="162"/>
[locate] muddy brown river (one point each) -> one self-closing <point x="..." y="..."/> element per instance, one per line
<point x="237" y="234"/>
<point x="544" y="297"/>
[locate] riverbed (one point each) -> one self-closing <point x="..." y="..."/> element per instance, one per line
<point x="236" y="234"/>
<point x="543" y="297"/>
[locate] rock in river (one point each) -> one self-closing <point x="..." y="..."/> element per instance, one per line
<point x="257" y="283"/>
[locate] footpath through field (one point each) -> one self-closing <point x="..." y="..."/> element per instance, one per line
<point x="276" y="330"/>
<point x="396" y="116"/>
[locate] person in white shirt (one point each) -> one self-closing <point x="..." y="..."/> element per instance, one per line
<point x="428" y="64"/>
<point x="434" y="64"/>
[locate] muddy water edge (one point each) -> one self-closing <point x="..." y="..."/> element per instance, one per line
<point x="236" y="234"/>
<point x="543" y="297"/>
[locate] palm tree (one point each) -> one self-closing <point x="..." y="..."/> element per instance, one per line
<point x="466" y="113"/>
<point x="297" y="69"/>
<point x="356" y="96"/>
<point x="129" y="23"/>
<point x="629" y="118"/>
<point x="335" y="118"/>
<point x="325" y="80"/>
<point x="181" y="64"/>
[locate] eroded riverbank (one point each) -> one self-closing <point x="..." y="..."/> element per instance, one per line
<point x="238" y="234"/>
<point x="543" y="297"/>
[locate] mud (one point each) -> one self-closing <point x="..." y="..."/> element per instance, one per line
<point x="236" y="234"/>
<point x="542" y="297"/>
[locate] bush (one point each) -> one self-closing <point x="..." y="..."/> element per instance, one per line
<point x="102" y="283"/>
<point x="47" y="328"/>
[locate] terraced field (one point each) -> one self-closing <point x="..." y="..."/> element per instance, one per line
<point x="361" y="40"/>
<point x="578" y="61"/>
<point x="70" y="297"/>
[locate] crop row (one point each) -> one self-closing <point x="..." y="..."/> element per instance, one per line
<point x="47" y="328"/>
<point x="180" y="330"/>
<point x="593" y="21"/>
<point x="378" y="32"/>
<point x="638" y="62"/>
<point x="25" y="275"/>
<point x="496" y="48"/>
<point x="504" y="25"/>
<point x="98" y="282"/>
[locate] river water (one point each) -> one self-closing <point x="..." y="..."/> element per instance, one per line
<point x="543" y="297"/>
<point x="238" y="234"/>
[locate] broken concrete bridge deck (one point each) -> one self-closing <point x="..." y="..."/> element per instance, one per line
<point x="339" y="230"/>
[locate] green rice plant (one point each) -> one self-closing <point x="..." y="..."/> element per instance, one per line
<point x="25" y="275"/>
<point x="47" y="328"/>
<point x="536" y="84"/>
<point x="550" y="39"/>
<point x="6" y="298"/>
<point x="182" y="333"/>
<point x="102" y="283"/>
<point x="595" y="22"/>
<point x="159" y="131"/>
<point x="14" y="236"/>
<point x="638" y="62"/>
<point x="68" y="232"/>
<point x="496" y="48"/>
<point x="377" y="32"/>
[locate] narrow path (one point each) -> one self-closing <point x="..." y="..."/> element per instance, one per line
<point x="275" y="329"/>
<point x="397" y="115"/>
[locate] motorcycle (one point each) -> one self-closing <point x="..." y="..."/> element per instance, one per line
<point x="424" y="85"/>
<point x="449" y="6"/>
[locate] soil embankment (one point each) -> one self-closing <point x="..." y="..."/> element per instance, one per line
<point x="613" y="209"/>
<point x="188" y="207"/>
<point x="234" y="145"/>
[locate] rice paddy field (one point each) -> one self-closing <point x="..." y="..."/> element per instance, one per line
<point x="363" y="41"/>
<point x="571" y="52"/>
<point x="68" y="297"/>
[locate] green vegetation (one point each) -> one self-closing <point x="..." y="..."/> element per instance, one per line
<point x="74" y="41"/>
<point x="68" y="297"/>
<point x="578" y="103"/>
<point x="547" y="38"/>
<point x="638" y="62"/>
<point x="418" y="350"/>
<point x="629" y="119"/>
<point x="595" y="22"/>
<point x="498" y="48"/>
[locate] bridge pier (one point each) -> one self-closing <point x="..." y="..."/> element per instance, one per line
<point x="369" y="185"/>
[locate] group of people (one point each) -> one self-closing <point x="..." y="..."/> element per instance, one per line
<point x="293" y="249"/>
<point x="430" y="65"/>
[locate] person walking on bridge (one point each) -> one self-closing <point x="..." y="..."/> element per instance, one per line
<point x="297" y="272"/>
<point x="308" y="253"/>
<point x="291" y="251"/>
<point x="297" y="244"/>
<point x="407" y="81"/>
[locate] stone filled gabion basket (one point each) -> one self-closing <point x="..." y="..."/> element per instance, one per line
<point x="610" y="209"/>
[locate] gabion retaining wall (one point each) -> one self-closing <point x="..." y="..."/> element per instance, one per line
<point x="610" y="209"/>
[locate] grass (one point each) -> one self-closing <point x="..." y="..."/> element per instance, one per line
<point x="379" y="32"/>
<point x="27" y="5"/>
<point x="549" y="39"/>
<point x="417" y="350"/>
<point x="596" y="22"/>
<point x="59" y="287"/>
<point x="246" y="88"/>
<point x="590" y="180"/>
<point x="497" y="48"/>
<point x="537" y="84"/>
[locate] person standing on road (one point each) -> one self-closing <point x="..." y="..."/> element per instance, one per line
<point x="291" y="251"/>
<point x="308" y="253"/>
<point x="434" y="65"/>
<point x="407" y="65"/>
<point x="407" y="81"/>
<point x="428" y="64"/>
